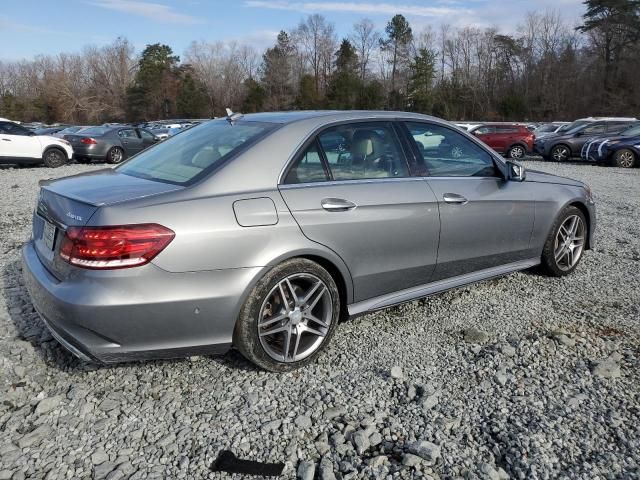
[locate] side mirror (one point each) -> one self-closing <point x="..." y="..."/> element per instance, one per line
<point x="516" y="172"/>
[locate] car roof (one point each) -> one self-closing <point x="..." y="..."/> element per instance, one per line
<point x="328" y="116"/>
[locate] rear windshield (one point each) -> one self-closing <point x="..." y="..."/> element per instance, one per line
<point x="185" y="158"/>
<point x="96" y="131"/>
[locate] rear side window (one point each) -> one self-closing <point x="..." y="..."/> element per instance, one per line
<point x="95" y="131"/>
<point x="447" y="153"/>
<point x="358" y="151"/>
<point x="187" y="157"/>
<point x="308" y="167"/>
<point x="617" y="127"/>
<point x="128" y="133"/>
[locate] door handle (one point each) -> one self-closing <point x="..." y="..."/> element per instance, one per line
<point x="455" y="198"/>
<point x="337" y="204"/>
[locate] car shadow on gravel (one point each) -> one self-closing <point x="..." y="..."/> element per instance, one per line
<point x="30" y="328"/>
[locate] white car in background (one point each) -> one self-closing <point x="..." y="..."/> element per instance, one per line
<point x="19" y="145"/>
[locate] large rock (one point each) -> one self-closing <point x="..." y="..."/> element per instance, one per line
<point x="48" y="404"/>
<point x="429" y="452"/>
<point x="474" y="335"/>
<point x="306" y="470"/>
<point x="35" y="437"/>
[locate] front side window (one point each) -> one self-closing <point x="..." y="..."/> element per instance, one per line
<point x="9" y="128"/>
<point x="447" y="153"/>
<point x="363" y="151"/>
<point x="187" y="157"/>
<point x="308" y="167"/>
<point x="484" y="130"/>
<point x="593" y="129"/>
<point x="617" y="127"/>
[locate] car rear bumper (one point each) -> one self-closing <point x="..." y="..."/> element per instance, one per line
<point x="138" y="314"/>
<point x="90" y="151"/>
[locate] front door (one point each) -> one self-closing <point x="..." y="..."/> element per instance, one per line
<point x="18" y="142"/>
<point x="350" y="190"/>
<point x="486" y="221"/>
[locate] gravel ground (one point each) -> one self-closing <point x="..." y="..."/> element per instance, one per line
<point x="520" y="377"/>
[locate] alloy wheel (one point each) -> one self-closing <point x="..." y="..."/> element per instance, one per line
<point x="295" y="317"/>
<point x="116" y="155"/>
<point x="569" y="243"/>
<point x="625" y="159"/>
<point x="517" y="152"/>
<point x="560" y="153"/>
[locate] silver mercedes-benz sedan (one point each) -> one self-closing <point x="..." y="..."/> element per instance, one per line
<point x="262" y="231"/>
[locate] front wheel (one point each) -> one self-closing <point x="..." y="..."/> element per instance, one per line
<point x="560" y="153"/>
<point x="54" y="158"/>
<point x="565" y="245"/>
<point x="516" y="152"/>
<point x="289" y="317"/>
<point x="115" y="155"/>
<point x="624" y="158"/>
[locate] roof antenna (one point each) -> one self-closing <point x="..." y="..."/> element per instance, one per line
<point x="232" y="117"/>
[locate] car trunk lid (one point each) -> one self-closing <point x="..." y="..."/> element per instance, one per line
<point x="72" y="201"/>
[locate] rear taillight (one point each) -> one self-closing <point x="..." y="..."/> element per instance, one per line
<point x="114" y="247"/>
<point x="88" y="141"/>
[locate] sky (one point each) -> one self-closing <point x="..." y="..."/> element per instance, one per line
<point x="32" y="27"/>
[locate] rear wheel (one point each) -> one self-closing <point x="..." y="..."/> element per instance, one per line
<point x="560" y="153"/>
<point x="115" y="155"/>
<point x="516" y="152"/>
<point x="564" y="246"/>
<point x="624" y="158"/>
<point x="54" y="158"/>
<point x="289" y="317"/>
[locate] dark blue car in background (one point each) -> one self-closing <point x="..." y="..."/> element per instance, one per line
<point x="622" y="150"/>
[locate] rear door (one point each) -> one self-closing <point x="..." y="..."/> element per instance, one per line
<point x="349" y="189"/>
<point x="486" y="221"/>
<point x="130" y="140"/>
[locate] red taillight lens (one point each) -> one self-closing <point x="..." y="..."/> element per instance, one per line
<point x="114" y="247"/>
<point x="88" y="141"/>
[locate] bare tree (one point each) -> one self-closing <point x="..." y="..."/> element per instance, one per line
<point x="365" y="38"/>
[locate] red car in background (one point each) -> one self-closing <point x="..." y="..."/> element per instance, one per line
<point x="512" y="140"/>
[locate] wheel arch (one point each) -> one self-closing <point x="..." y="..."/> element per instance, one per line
<point x="53" y="146"/>
<point x="587" y="215"/>
<point x="326" y="259"/>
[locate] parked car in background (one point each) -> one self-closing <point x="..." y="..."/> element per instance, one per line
<point x="69" y="131"/>
<point x="622" y="150"/>
<point x="19" y="145"/>
<point x="110" y="144"/>
<point x="565" y="145"/>
<point x="548" y="128"/>
<point x="49" y="130"/>
<point x="261" y="232"/>
<point x="512" y="140"/>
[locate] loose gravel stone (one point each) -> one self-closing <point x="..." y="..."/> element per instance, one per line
<point x="475" y="335"/>
<point x="396" y="372"/>
<point x="523" y="400"/>
<point x="306" y="470"/>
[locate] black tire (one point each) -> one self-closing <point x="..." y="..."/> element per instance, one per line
<point x="517" y="152"/>
<point x="549" y="265"/>
<point x="54" y="157"/>
<point x="624" y="158"/>
<point x="560" y="153"/>
<point x="115" y="156"/>
<point x="246" y="335"/>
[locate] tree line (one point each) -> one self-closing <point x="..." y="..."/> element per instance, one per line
<point x="549" y="69"/>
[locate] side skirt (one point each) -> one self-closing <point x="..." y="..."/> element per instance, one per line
<point x="414" y="293"/>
